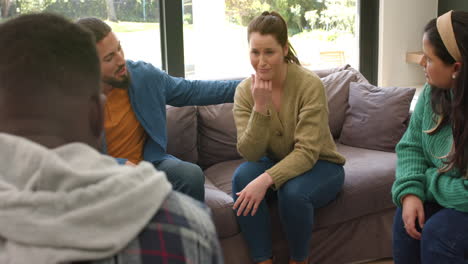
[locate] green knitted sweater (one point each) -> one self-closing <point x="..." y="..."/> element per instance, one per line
<point x="419" y="159"/>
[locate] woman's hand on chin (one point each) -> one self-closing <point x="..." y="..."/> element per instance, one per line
<point x="261" y="93"/>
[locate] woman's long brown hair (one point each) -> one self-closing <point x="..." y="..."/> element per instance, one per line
<point x="451" y="105"/>
<point x="271" y="23"/>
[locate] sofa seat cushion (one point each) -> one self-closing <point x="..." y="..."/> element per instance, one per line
<point x="369" y="175"/>
<point x="221" y="173"/>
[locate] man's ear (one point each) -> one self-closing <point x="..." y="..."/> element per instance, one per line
<point x="96" y="115"/>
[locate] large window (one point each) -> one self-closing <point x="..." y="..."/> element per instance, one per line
<point x="323" y="33"/>
<point x="135" y="22"/>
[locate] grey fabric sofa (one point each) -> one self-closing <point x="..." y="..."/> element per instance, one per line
<point x="353" y="228"/>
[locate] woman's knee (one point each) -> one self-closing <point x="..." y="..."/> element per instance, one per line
<point x="318" y="186"/>
<point x="335" y="176"/>
<point x="441" y="237"/>
<point x="430" y="235"/>
<point x="291" y="193"/>
<point x="245" y="173"/>
<point x="398" y="226"/>
<point x="240" y="178"/>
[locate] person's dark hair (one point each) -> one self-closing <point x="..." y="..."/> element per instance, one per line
<point x="44" y="54"/>
<point x="271" y="23"/>
<point x="452" y="105"/>
<point x="98" y="27"/>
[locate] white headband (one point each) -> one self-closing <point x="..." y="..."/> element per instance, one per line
<point x="445" y="28"/>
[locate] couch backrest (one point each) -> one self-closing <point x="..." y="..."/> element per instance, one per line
<point x="217" y="134"/>
<point x="207" y="134"/>
<point x="182" y="132"/>
<point x="202" y="134"/>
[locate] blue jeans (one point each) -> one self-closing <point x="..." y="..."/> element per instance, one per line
<point x="297" y="200"/>
<point x="444" y="238"/>
<point x="186" y="177"/>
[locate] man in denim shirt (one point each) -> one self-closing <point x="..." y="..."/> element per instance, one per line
<point x="135" y="111"/>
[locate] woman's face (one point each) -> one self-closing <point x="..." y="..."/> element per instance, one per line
<point x="266" y="55"/>
<point x="437" y="72"/>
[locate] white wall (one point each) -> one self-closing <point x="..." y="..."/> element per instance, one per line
<point x="401" y="28"/>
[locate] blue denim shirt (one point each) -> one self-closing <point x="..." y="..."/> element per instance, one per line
<point x="151" y="90"/>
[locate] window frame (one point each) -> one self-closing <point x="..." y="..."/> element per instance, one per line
<point x="172" y="37"/>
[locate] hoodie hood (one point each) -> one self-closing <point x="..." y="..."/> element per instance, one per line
<point x="71" y="203"/>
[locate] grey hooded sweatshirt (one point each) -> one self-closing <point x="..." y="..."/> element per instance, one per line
<point x="68" y="203"/>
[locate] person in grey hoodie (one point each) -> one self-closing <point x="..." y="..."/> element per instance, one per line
<point x="62" y="201"/>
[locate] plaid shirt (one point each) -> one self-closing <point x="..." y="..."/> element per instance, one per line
<point x="181" y="232"/>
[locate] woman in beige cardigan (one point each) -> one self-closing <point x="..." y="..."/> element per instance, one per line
<point x="282" y="130"/>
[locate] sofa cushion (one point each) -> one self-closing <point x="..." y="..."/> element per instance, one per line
<point x="325" y="72"/>
<point x="182" y="121"/>
<point x="217" y="135"/>
<point x="376" y="117"/>
<point x="337" y="90"/>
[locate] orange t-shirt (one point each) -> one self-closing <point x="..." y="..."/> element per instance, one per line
<point x="124" y="134"/>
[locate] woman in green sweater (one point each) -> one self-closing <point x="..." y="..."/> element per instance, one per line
<point x="282" y="130"/>
<point x="431" y="186"/>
